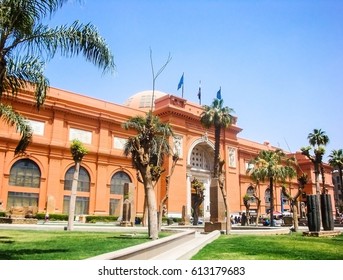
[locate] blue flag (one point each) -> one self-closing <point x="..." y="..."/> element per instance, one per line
<point x="219" y="93"/>
<point x="180" y="83"/>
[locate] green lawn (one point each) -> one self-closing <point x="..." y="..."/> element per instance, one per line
<point x="273" y="247"/>
<point x="62" y="245"/>
<point x="76" y="245"/>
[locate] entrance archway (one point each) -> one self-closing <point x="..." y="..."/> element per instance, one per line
<point x="200" y="166"/>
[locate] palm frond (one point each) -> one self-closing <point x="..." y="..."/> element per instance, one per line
<point x="22" y="71"/>
<point x="12" y="118"/>
<point x="69" y="41"/>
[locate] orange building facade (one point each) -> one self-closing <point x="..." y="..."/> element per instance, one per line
<point x="42" y="177"/>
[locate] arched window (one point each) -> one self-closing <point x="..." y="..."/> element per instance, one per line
<point x="83" y="182"/>
<point x="25" y="173"/>
<point x="250" y="192"/>
<point x="199" y="158"/>
<point x="117" y="182"/>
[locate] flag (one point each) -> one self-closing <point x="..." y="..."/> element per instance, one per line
<point x="180" y="83"/>
<point x="219" y="93"/>
<point x="199" y="92"/>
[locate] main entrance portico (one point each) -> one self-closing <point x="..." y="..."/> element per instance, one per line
<point x="200" y="166"/>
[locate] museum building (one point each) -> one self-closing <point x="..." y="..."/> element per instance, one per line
<point x="42" y="177"/>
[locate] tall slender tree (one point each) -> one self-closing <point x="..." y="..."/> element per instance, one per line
<point x="78" y="151"/>
<point x="219" y="117"/>
<point x="273" y="166"/>
<point x="317" y="140"/>
<point x="27" y="43"/>
<point x="336" y="161"/>
<point x="148" y="150"/>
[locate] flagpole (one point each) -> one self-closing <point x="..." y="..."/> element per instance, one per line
<point x="199" y="93"/>
<point x="183" y="82"/>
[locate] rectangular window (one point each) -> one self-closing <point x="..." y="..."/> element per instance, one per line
<point x="22" y="199"/>
<point x="37" y="127"/>
<point x="81" y="205"/>
<point x="119" y="143"/>
<point x="83" y="135"/>
<point x="115" y="207"/>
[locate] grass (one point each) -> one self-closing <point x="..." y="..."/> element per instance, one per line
<point x="76" y="245"/>
<point x="273" y="247"/>
<point x="62" y="245"/>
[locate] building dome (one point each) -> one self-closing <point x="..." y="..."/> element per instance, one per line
<point x="142" y="100"/>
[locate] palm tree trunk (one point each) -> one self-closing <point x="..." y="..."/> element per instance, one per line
<point x="271" y="185"/>
<point x="227" y="212"/>
<point x="295" y="215"/>
<point x="316" y="173"/>
<point x="2" y="73"/>
<point x="152" y="211"/>
<point x="340" y="177"/>
<point x="258" y="209"/>
<point x="73" y="197"/>
<point x="316" y="178"/>
<point x="216" y="151"/>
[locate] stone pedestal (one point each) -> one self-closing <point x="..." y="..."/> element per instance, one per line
<point x="322" y="233"/>
<point x="210" y="226"/>
<point x="129" y="208"/>
<point x="217" y="208"/>
<point x="5" y="220"/>
<point x="185" y="217"/>
<point x="126" y="221"/>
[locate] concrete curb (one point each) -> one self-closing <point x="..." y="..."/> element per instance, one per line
<point x="188" y="249"/>
<point x="147" y="250"/>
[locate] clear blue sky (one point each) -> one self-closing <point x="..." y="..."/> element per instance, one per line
<point x="279" y="63"/>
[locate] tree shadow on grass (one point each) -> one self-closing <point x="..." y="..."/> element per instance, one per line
<point x="6" y="239"/>
<point x="18" y="254"/>
<point x="129" y="237"/>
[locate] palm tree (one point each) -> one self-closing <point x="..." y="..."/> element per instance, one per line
<point x="336" y="161"/>
<point x="26" y="44"/>
<point x="317" y="140"/>
<point x="78" y="151"/>
<point x="220" y="117"/>
<point x="148" y="150"/>
<point x="273" y="166"/>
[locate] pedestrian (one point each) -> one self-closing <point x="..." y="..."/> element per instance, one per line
<point x="46" y="217"/>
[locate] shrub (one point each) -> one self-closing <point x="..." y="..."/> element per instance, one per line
<point x="2" y="214"/>
<point x="52" y="217"/>
<point x="104" y="219"/>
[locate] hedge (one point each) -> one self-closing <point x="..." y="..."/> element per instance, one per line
<point x="52" y="217"/>
<point x="105" y="219"/>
